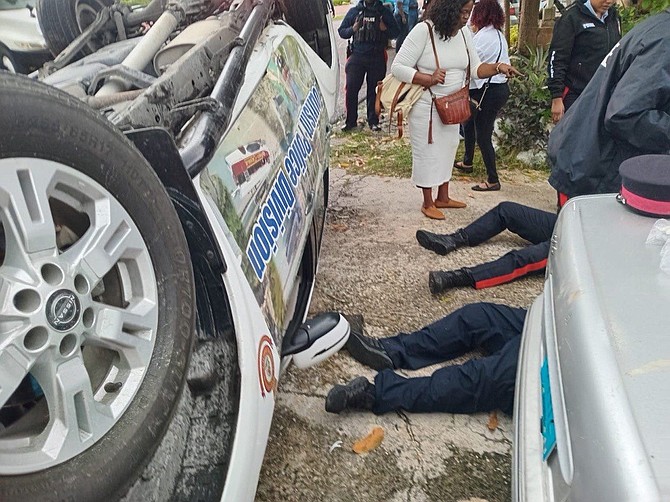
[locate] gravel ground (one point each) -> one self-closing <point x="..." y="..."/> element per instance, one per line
<point x="371" y="265"/>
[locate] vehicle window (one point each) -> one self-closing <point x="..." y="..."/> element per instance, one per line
<point x="15" y="4"/>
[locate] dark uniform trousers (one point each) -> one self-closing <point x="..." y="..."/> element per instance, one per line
<point x="370" y="66"/>
<point x="482" y="384"/>
<point x="534" y="225"/>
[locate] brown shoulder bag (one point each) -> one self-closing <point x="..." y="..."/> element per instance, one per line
<point x="454" y="108"/>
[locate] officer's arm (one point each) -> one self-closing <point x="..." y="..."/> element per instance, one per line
<point x="637" y="112"/>
<point x="346" y="29"/>
<point x="392" y="28"/>
<point x="560" y="53"/>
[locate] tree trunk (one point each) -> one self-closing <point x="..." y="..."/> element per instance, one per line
<point x="528" y="26"/>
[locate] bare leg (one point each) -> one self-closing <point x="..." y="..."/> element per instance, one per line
<point x="427" y="197"/>
<point x="443" y="192"/>
<point x="444" y="201"/>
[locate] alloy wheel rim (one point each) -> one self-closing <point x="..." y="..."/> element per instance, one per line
<point x="78" y="313"/>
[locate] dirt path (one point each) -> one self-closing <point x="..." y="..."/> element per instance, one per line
<point x="372" y="265"/>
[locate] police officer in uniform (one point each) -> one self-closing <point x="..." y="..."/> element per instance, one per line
<point x="481" y="384"/>
<point x="371" y="25"/>
<point x="582" y="37"/>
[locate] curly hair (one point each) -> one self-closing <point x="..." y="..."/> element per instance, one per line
<point x="487" y="12"/>
<point x="446" y="16"/>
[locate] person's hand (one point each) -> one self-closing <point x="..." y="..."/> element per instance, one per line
<point x="403" y="17"/>
<point x="508" y="70"/>
<point x="356" y="26"/>
<point x="382" y="25"/>
<point x="557" y="109"/>
<point x="438" y="76"/>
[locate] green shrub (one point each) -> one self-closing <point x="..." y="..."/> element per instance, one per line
<point x="632" y="15"/>
<point x="340" y="2"/>
<point x="513" y="35"/>
<point x="527" y="114"/>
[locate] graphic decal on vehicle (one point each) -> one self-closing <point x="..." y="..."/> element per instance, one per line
<point x="266" y="366"/>
<point x="264" y="175"/>
<point x="270" y="224"/>
<point x="246" y="160"/>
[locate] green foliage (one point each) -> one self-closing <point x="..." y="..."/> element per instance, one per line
<point x="513" y="35"/>
<point x="340" y="2"/>
<point x="633" y="14"/>
<point x="527" y="113"/>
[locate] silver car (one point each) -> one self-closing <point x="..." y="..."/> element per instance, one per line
<point x="593" y="384"/>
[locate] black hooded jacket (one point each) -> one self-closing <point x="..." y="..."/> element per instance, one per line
<point x="578" y="45"/>
<point x="623" y="112"/>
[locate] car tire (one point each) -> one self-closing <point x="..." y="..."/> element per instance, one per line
<point x="309" y="18"/>
<point x="115" y="384"/>
<point x="61" y="21"/>
<point x="8" y="62"/>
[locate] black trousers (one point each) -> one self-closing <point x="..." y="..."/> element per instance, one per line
<point x="480" y="127"/>
<point x="372" y="68"/>
<point x="534" y="225"/>
<point x="482" y="384"/>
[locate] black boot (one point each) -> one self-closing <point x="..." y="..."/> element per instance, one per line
<point x="369" y="351"/>
<point x="442" y="244"/>
<point x="438" y="281"/>
<point x="359" y="394"/>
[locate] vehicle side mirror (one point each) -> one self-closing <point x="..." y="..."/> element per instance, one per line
<point x="317" y="339"/>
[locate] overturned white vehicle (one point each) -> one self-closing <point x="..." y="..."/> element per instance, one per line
<point x="162" y="198"/>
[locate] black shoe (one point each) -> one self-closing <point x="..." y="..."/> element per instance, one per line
<point x="439" y="281"/>
<point x="441" y="244"/>
<point x="348" y="128"/>
<point x="369" y="351"/>
<point x="375" y="127"/>
<point x="359" y="394"/>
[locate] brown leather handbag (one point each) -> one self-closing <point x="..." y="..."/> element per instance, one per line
<point x="454" y="108"/>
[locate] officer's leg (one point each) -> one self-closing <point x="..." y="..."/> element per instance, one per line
<point x="485" y="325"/>
<point x="532" y="224"/>
<point x="376" y="72"/>
<point x="515" y="264"/>
<point x="478" y="385"/>
<point x="355" y="72"/>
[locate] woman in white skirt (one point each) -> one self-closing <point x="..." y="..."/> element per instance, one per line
<point x="432" y="163"/>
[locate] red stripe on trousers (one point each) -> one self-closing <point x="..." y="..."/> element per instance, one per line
<point x="502" y="279"/>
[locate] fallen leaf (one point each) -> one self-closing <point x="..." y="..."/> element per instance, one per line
<point x="493" y="421"/>
<point x="344" y="165"/>
<point x="369" y="442"/>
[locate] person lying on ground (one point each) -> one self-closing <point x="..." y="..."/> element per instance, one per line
<point x="478" y="385"/>
<point x="533" y="225"/>
<point x="623" y="113"/>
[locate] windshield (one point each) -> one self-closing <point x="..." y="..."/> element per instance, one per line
<point x="16" y="4"/>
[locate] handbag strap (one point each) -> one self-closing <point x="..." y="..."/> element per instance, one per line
<point x="488" y="82"/>
<point x="437" y="60"/>
<point x="497" y="58"/>
<point x="437" y="64"/>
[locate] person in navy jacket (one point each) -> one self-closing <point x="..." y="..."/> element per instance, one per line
<point x="370" y="25"/>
